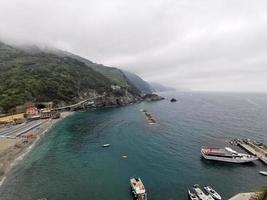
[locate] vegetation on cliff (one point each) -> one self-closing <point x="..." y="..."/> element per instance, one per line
<point x="38" y="75"/>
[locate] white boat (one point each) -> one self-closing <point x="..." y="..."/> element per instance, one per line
<point x="201" y="195"/>
<point x="138" y="189"/>
<point x="226" y="155"/>
<point x="212" y="192"/>
<point x="192" y="196"/>
<point x="263" y="173"/>
<point x="105" y="145"/>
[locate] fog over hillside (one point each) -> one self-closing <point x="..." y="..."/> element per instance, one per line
<point x="207" y="45"/>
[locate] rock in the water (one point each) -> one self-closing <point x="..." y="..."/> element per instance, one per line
<point x="173" y="100"/>
<point x="152" y="97"/>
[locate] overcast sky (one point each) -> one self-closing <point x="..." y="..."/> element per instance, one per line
<point x="194" y="44"/>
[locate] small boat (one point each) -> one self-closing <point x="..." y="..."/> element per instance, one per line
<point x="201" y="195"/>
<point x="105" y="145"/>
<point x="263" y="173"/>
<point x="192" y="196"/>
<point x="212" y="192"/>
<point x="138" y="189"/>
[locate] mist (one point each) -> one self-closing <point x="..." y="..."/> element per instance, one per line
<point x="206" y="45"/>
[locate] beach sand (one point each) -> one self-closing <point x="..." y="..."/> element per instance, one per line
<point x="6" y="143"/>
<point x="13" y="150"/>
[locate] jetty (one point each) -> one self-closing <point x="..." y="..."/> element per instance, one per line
<point x="253" y="147"/>
<point x="150" y="119"/>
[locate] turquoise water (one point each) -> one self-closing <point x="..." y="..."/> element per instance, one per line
<point x="70" y="164"/>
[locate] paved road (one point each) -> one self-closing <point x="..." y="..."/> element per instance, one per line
<point x="21" y="128"/>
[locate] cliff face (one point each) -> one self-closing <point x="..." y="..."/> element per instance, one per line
<point x="32" y="74"/>
<point x="110" y="101"/>
<point x="139" y="83"/>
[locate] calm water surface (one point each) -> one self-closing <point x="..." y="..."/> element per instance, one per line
<point x="70" y="164"/>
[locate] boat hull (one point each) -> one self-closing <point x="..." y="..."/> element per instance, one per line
<point x="214" y="194"/>
<point x="138" y="193"/>
<point x="192" y="196"/>
<point x="263" y="173"/>
<point x="230" y="160"/>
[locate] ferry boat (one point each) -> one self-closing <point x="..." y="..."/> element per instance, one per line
<point x="226" y="155"/>
<point x="201" y="195"/>
<point x="212" y="192"/>
<point x="138" y="189"/>
<point x="192" y="196"/>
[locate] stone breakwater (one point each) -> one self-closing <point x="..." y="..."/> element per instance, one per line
<point x="149" y="117"/>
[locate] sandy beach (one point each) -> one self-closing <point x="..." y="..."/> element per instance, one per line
<point x="12" y="150"/>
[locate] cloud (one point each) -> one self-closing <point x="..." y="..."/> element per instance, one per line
<point x="216" y="45"/>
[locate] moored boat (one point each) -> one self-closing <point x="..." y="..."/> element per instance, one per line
<point x="192" y="196"/>
<point x="105" y="145"/>
<point x="138" y="189"/>
<point x="212" y="192"/>
<point x="201" y="195"/>
<point x="263" y="173"/>
<point x="226" y="155"/>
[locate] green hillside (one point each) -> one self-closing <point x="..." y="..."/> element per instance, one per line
<point x="115" y="75"/>
<point x="44" y="76"/>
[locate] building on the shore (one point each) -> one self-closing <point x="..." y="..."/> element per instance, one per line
<point x="32" y="113"/>
<point x="32" y="110"/>
<point x="115" y="87"/>
<point x="12" y="118"/>
<point x="46" y="113"/>
<point x="41" y="110"/>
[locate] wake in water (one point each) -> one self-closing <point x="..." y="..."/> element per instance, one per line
<point x="252" y="102"/>
<point x="2" y="181"/>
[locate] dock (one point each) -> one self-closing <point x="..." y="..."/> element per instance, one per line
<point x="246" y="196"/>
<point x="255" y="149"/>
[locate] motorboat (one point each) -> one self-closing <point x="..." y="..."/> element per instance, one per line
<point x="212" y="192"/>
<point x="192" y="196"/>
<point x="201" y="195"/>
<point x="138" y="189"/>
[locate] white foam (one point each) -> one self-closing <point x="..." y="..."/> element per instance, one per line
<point x="2" y="180"/>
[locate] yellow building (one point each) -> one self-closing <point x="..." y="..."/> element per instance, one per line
<point x="11" y="118"/>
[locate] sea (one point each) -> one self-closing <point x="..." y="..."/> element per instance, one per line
<point x="69" y="162"/>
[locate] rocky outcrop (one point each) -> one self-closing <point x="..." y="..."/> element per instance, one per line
<point x="119" y="97"/>
<point x="152" y="97"/>
<point x="173" y="100"/>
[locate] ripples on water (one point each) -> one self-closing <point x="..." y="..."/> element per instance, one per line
<point x="70" y="164"/>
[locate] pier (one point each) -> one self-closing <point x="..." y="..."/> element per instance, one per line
<point x="254" y="148"/>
